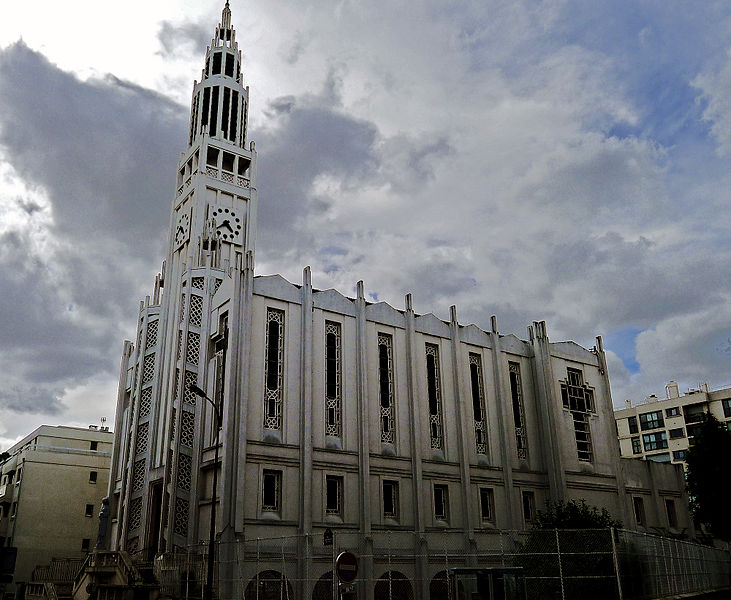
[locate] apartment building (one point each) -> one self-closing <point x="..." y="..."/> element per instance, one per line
<point x="51" y="488"/>
<point x="662" y="429"/>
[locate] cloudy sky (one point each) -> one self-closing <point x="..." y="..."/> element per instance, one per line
<point x="557" y="160"/>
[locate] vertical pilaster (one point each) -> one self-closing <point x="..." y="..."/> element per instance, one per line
<point x="548" y="406"/>
<point x="364" y="483"/>
<point x="625" y="502"/>
<point x="305" y="435"/>
<point x="507" y="437"/>
<point x="415" y="435"/>
<point x="463" y="426"/>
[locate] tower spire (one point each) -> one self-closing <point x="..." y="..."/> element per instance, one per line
<point x="226" y="17"/>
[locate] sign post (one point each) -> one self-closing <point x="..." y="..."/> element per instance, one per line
<point x="346" y="568"/>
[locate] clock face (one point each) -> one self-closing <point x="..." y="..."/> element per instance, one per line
<point x="229" y="224"/>
<point x="182" y="229"/>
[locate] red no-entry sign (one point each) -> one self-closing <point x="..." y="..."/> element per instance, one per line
<point x="346" y="567"/>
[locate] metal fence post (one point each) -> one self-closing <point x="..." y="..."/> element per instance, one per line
<point x="560" y="569"/>
<point x="256" y="577"/>
<point x="616" y="564"/>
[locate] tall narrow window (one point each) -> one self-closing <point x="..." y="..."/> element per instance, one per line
<point x="478" y="403"/>
<point x="487" y="505"/>
<point x="390" y="499"/>
<point x="579" y="399"/>
<point x="385" y="386"/>
<point x="670" y="510"/>
<point x="333" y="383"/>
<point x="529" y="506"/>
<point x="333" y="495"/>
<point x="274" y="369"/>
<point x="220" y="347"/>
<point x="225" y="110"/>
<point x="516" y="393"/>
<point x="441" y="502"/>
<point x="639" y="508"/>
<point x="216" y="63"/>
<point x="206" y="107"/>
<point x="436" y="433"/>
<point x="271" y="491"/>
<point x="214" y="111"/>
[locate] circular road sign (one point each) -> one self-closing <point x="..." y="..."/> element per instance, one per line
<point x="346" y="567"/>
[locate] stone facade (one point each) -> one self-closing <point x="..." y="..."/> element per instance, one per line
<point x="338" y="413"/>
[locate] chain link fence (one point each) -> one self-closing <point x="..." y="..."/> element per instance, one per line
<point x="399" y="565"/>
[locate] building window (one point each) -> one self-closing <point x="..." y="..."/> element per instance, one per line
<point x="516" y="393"/>
<point x="271" y="491"/>
<point x="441" y="502"/>
<point x="677" y="433"/>
<point x="578" y="398"/>
<point x="651" y="420"/>
<point x="694" y="413"/>
<point x="670" y="510"/>
<point x="89" y="510"/>
<point x="655" y="441"/>
<point x="333" y="495"/>
<point x="487" y="505"/>
<point x="636" y="446"/>
<point x="478" y="403"/>
<point x="385" y="386"/>
<point x="639" y="509"/>
<point x="529" y="507"/>
<point x="92" y="476"/>
<point x="726" y="408"/>
<point x="85" y="544"/>
<point x="632" y="422"/>
<point x="220" y="347"/>
<point x="679" y="454"/>
<point x="693" y="430"/>
<point x="672" y="412"/>
<point x="93" y="446"/>
<point x="333" y="380"/>
<point x="436" y="433"/>
<point x="390" y="499"/>
<point x="274" y="354"/>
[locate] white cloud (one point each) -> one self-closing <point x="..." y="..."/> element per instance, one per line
<point x="715" y="86"/>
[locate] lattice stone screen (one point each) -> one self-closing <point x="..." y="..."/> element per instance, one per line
<point x="180" y="520"/>
<point x="145" y="402"/>
<point x="148" y="368"/>
<point x="143" y="435"/>
<point x="187" y="429"/>
<point x="138" y="475"/>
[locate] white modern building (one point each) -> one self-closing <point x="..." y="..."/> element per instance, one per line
<point x="339" y="413"/>
<point x="662" y="429"/>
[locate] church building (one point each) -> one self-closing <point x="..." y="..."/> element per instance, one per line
<point x="338" y="413"/>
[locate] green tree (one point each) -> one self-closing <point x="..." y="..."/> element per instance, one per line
<point x="709" y="477"/>
<point x="569" y="551"/>
<point x="574" y="515"/>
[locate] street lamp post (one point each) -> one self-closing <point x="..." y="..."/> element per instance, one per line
<point x="208" y="589"/>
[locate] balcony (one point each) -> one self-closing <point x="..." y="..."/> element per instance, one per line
<point x="228" y="177"/>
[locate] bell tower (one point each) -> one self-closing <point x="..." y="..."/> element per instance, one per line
<point x="212" y="236"/>
<point x="214" y="211"/>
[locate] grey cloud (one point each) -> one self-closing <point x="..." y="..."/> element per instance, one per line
<point x="32" y="399"/>
<point x="189" y="37"/>
<point x="102" y="149"/>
